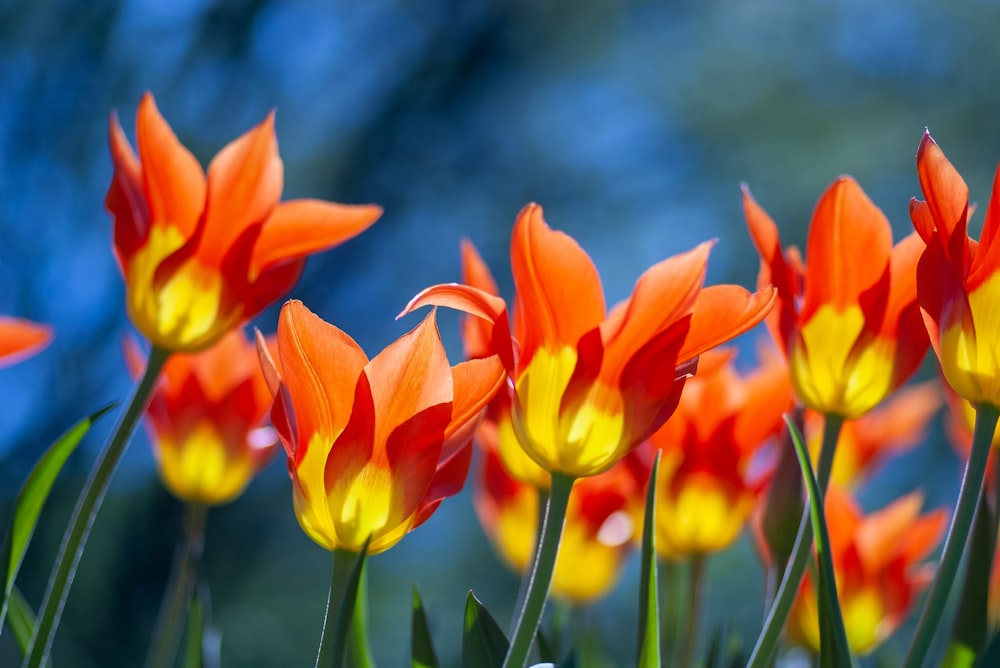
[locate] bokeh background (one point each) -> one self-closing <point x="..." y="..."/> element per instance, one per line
<point x="632" y="122"/>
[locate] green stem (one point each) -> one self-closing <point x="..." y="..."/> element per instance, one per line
<point x="767" y="642"/>
<point x="540" y="578"/>
<point x="695" y="586"/>
<point x="958" y="534"/>
<point x="75" y="539"/>
<point x="337" y="621"/>
<point x="361" y="647"/>
<point x="180" y="587"/>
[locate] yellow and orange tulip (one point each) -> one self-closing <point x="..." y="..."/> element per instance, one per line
<point x="590" y="385"/>
<point x="207" y="419"/>
<point x="706" y="489"/>
<point x="876" y="559"/>
<point x="373" y="445"/>
<point x="847" y="319"/>
<point x="958" y="278"/>
<point x="201" y="254"/>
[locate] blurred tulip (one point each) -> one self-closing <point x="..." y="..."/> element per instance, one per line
<point x="201" y="256"/>
<point x="848" y="319"/>
<point x="20" y="339"/>
<point x="373" y="445"/>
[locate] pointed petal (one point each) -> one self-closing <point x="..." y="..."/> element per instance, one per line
<point x="476" y="332"/>
<point x="845" y="226"/>
<point x="244" y="185"/>
<point x="320" y="365"/>
<point x="558" y="289"/>
<point x="21" y="338"/>
<point x="302" y="227"/>
<point x="987" y="256"/>
<point x="663" y="295"/>
<point x="475" y="302"/>
<point x="947" y="199"/>
<point x="448" y="481"/>
<point x="172" y="178"/>
<point x="408" y="377"/>
<point x="475" y="384"/>
<point x="723" y="312"/>
<point x="923" y="221"/>
<point x="125" y="199"/>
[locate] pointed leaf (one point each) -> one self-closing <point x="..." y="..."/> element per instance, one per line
<point x="33" y="494"/>
<point x="840" y="655"/>
<point x="422" y="654"/>
<point x="21" y="619"/>
<point x="649" y="609"/>
<point x="484" y="644"/>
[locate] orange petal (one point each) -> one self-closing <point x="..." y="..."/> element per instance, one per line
<point x="475" y="302"/>
<point x="986" y="260"/>
<point x="173" y="179"/>
<point x="475" y="384"/>
<point x="20" y="339"/>
<point x="125" y="199"/>
<point x="923" y="221"/>
<point x="476" y="332"/>
<point x="301" y="227"/>
<point x="947" y="198"/>
<point x="408" y="377"/>
<point x="723" y="312"/>
<point x="663" y="295"/>
<point x="559" y="291"/>
<point x="244" y="185"/>
<point x="320" y="365"/>
<point x="846" y="227"/>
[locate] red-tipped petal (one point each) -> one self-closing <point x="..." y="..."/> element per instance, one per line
<point x="987" y="256"/>
<point x="475" y="384"/>
<point x="558" y="289"/>
<point x="476" y="332"/>
<point x="21" y="338"/>
<point x="845" y="226"/>
<point x="173" y="180"/>
<point x="723" y="312"/>
<point x="947" y="198"/>
<point x="301" y="227"/>
<point x="125" y="199"/>
<point x="923" y="221"/>
<point x="244" y="185"/>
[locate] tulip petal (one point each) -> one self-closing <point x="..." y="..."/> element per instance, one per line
<point x="948" y="200"/>
<point x="302" y="227"/>
<point x="21" y="338"/>
<point x="475" y="383"/>
<point x="559" y="291"/>
<point x="172" y="178"/>
<point x="846" y="226"/>
<point x="125" y="199"/>
<point x="723" y="312"/>
<point x="476" y="332"/>
<point x="986" y="260"/>
<point x="244" y="185"/>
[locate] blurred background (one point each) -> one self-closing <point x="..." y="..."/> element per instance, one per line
<point x="632" y="122"/>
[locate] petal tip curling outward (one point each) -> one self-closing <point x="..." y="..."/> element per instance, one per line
<point x="20" y="339"/>
<point x="723" y="312"/>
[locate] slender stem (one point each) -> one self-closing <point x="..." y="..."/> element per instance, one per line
<point x="768" y="640"/>
<point x="958" y="534"/>
<point x="695" y="590"/>
<point x="337" y="621"/>
<point x="88" y="505"/>
<point x="361" y="647"/>
<point x="180" y="587"/>
<point x="540" y="578"/>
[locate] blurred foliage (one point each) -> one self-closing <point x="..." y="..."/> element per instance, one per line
<point x="632" y="123"/>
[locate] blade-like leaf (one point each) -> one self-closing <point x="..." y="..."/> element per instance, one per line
<point x="21" y="619"/>
<point x="422" y="654"/>
<point x="835" y="647"/>
<point x="33" y="494"/>
<point x="484" y="644"/>
<point x="649" y="609"/>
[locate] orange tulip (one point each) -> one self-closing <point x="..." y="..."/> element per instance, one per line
<point x="848" y="320"/>
<point x="958" y="278"/>
<point x="596" y="537"/>
<point x="373" y="445"/>
<point x="201" y="256"/>
<point x="706" y="488"/>
<point x="893" y="427"/>
<point x="876" y="562"/>
<point x="589" y="386"/>
<point x="207" y="420"/>
<point x="21" y="338"/>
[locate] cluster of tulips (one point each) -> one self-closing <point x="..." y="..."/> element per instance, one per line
<point x="592" y="431"/>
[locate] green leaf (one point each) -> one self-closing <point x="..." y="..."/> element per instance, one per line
<point x="422" y="653"/>
<point x="21" y="619"/>
<point x="347" y="569"/>
<point x="33" y="495"/>
<point x="649" y="608"/>
<point x="484" y="644"/>
<point x="833" y="649"/>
